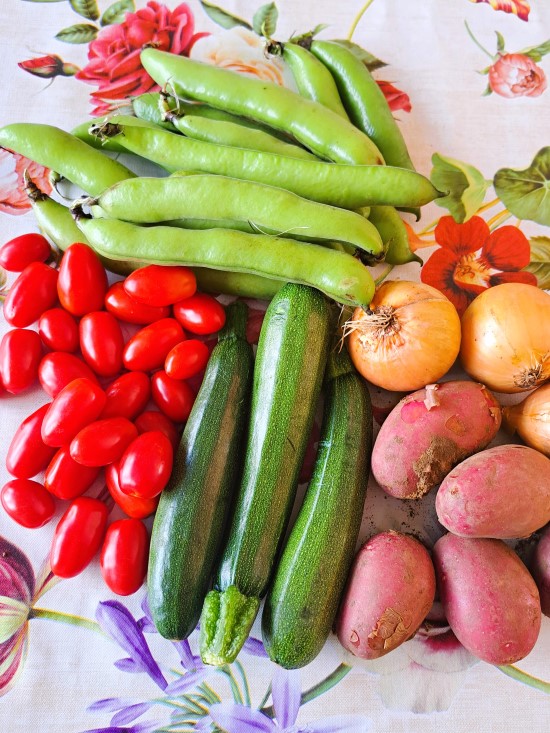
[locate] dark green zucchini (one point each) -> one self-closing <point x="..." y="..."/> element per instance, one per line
<point x="311" y="574"/>
<point x="188" y="527"/>
<point x="290" y="362"/>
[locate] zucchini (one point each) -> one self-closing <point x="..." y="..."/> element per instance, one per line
<point x="290" y="361"/>
<point x="303" y="599"/>
<point x="188" y="526"/>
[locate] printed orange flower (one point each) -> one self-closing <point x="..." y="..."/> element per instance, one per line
<point x="520" y="8"/>
<point x="471" y="259"/>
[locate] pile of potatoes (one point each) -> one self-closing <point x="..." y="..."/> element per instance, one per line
<point x="437" y="436"/>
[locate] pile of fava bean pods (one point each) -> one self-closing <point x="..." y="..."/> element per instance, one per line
<point x="258" y="185"/>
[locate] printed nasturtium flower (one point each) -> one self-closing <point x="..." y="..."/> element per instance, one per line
<point x="13" y="199"/>
<point x="471" y="258"/>
<point x="516" y="75"/>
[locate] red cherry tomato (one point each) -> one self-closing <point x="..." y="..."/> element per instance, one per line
<point x="58" y="330"/>
<point x="28" y="454"/>
<point x="125" y="308"/>
<point x="146" y="465"/>
<point x="153" y="420"/>
<point x="187" y="359"/>
<point x="159" y="285"/>
<point x="58" y="369"/>
<point x="172" y="396"/>
<point x="19" y="252"/>
<point x="27" y="502"/>
<point x="127" y="396"/>
<point x="101" y="343"/>
<point x="77" y="405"/>
<point x="201" y="314"/>
<point x="82" y="280"/>
<point x="149" y="347"/>
<point x="20" y="354"/>
<point x="34" y="291"/>
<point x="67" y="479"/>
<point x="133" y="506"/>
<point x="78" y="536"/>
<point x="103" y="441"/>
<point x="124" y="556"/>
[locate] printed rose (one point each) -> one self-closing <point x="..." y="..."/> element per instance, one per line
<point x="516" y="75"/>
<point x="13" y="199"/>
<point x="114" y="56"/>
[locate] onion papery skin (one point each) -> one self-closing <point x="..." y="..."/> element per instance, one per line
<point x="531" y="419"/>
<point x="416" y="343"/>
<point x="506" y="338"/>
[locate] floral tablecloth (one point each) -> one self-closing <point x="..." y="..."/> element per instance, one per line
<point x="467" y="80"/>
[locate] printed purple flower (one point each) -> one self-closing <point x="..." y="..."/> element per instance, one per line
<point x="146" y="727"/>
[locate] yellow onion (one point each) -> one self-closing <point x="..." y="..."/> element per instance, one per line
<point x="531" y="419"/>
<point x="506" y="337"/>
<point x="409" y="337"/>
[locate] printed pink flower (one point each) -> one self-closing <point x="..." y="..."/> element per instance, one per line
<point x="114" y="64"/>
<point x="48" y="67"/>
<point x="13" y="199"/>
<point x="516" y="75"/>
<point x="395" y="97"/>
<point x="521" y="8"/>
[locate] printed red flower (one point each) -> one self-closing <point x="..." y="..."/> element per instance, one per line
<point x="471" y="259"/>
<point x="521" y="8"/>
<point x="114" y="56"/>
<point x="395" y="97"/>
<point x="13" y="199"/>
<point x="516" y="75"/>
<point x="48" y="67"/>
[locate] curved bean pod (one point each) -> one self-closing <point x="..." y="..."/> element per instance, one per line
<point x="392" y="230"/>
<point x="82" y="131"/>
<point x="321" y="130"/>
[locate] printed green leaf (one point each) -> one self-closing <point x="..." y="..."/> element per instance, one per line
<point x="79" y="33"/>
<point x="222" y="17"/>
<point x="265" y="19"/>
<point x="86" y="8"/>
<point x="371" y="62"/>
<point x="309" y="35"/>
<point x="537" y="52"/>
<point x="465" y="186"/>
<point x="500" y="41"/>
<point x="540" y="261"/>
<point x="116" y="13"/>
<point x="526" y="193"/>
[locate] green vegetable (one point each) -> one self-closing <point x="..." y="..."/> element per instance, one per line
<point x="393" y="232"/>
<point x="188" y="528"/>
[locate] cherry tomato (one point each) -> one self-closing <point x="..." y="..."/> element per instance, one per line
<point x="58" y="330"/>
<point x="28" y="454"/>
<point x="82" y="280"/>
<point x="20" y="354"/>
<point x="103" y="441"/>
<point x="67" y="479"/>
<point x="57" y="369"/>
<point x="187" y="359"/>
<point x="78" y="536"/>
<point x="124" y="556"/>
<point x="159" y="285"/>
<point x="146" y="465"/>
<point x="19" y="252"/>
<point x="33" y="292"/>
<point x="149" y="347"/>
<point x="77" y="405"/>
<point x="125" y="308"/>
<point x="172" y="396"/>
<point x="153" y="420"/>
<point x="201" y="314"/>
<point x="27" y="502"/>
<point x="133" y="506"/>
<point x="101" y="343"/>
<point x="127" y="396"/>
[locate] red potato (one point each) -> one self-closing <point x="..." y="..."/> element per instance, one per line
<point x="390" y="590"/>
<point x="501" y="492"/>
<point x="429" y="432"/>
<point x="540" y="568"/>
<point x="489" y="598"/>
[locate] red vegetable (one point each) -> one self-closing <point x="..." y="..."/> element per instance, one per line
<point x="124" y="556"/>
<point x="101" y="343"/>
<point x="146" y="465"/>
<point x="27" y="502"/>
<point x="153" y="420"/>
<point x="125" y="308"/>
<point x="78" y="404"/>
<point x="149" y="347"/>
<point x="33" y="292"/>
<point x="158" y="285"/>
<point x="187" y="359"/>
<point x="28" y="454"/>
<point x="133" y="506"/>
<point x="172" y="396"/>
<point x="58" y="330"/>
<point x="20" y="354"/>
<point x="103" y="441"/>
<point x="19" y="252"/>
<point x="201" y="314"/>
<point x="78" y="536"/>
<point x="67" y="479"/>
<point x="82" y="280"/>
<point x="127" y="396"/>
<point x="58" y="369"/>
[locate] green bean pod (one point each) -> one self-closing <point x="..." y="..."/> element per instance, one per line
<point x="347" y="186"/>
<point x="364" y="101"/>
<point x="82" y="131"/>
<point x="392" y="230"/>
<point x="64" y="153"/>
<point x="338" y="275"/>
<point x="266" y="208"/>
<point x="319" y="129"/>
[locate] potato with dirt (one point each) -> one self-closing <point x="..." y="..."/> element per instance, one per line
<point x="501" y="492"/>
<point x="489" y="597"/>
<point x="390" y="590"/>
<point x="540" y="568"/>
<point x="429" y="432"/>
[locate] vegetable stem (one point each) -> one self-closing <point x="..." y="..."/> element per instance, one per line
<point x="518" y="674"/>
<point x="358" y="17"/>
<point x="383" y="275"/>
